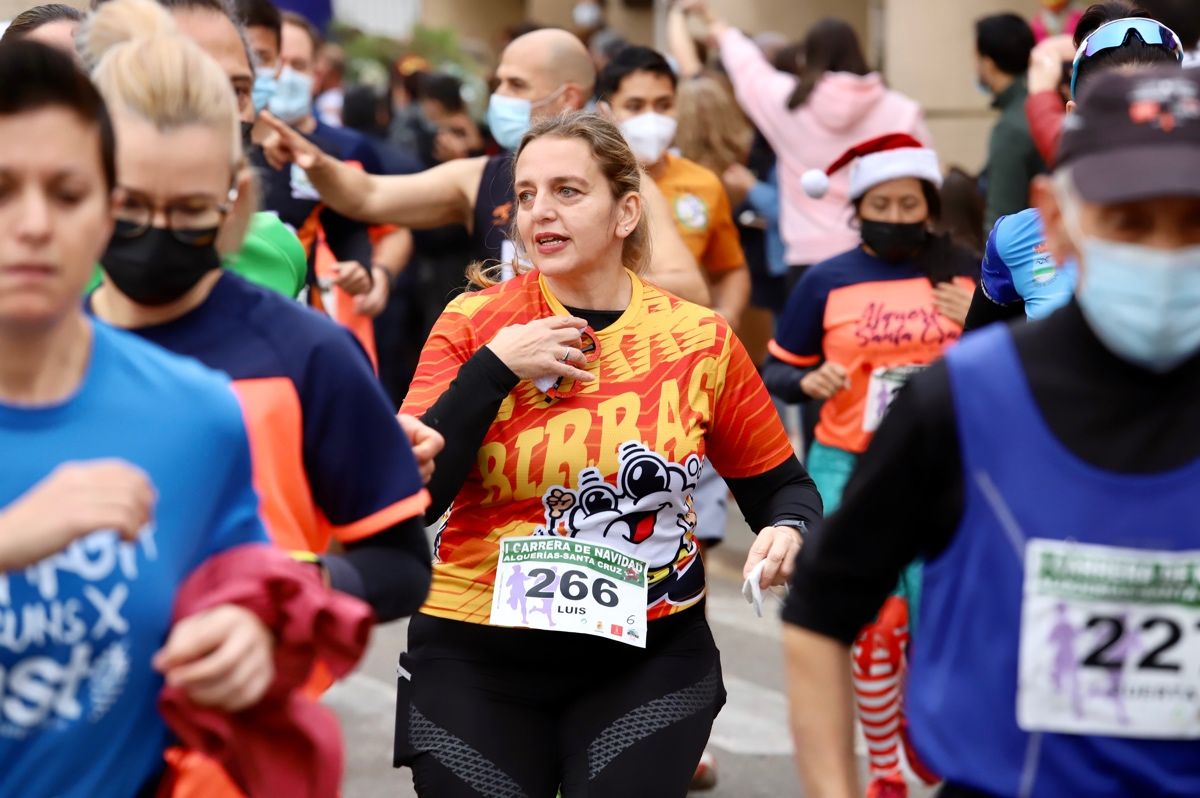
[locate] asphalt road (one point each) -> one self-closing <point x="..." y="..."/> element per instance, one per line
<point x="750" y="738"/>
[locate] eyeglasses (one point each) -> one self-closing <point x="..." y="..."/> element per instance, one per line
<point x="191" y="220"/>
<point x="1117" y="33"/>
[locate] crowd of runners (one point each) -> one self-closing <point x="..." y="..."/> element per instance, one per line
<point x="283" y="357"/>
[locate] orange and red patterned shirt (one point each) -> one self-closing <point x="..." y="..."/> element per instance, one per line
<point x="616" y="463"/>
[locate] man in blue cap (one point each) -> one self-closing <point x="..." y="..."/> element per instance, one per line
<point x="1047" y="475"/>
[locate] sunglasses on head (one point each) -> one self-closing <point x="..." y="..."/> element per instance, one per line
<point x="1117" y="34"/>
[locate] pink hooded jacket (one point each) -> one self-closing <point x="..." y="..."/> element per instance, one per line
<point x="843" y="110"/>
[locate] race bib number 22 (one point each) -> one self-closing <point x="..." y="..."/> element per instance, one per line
<point x="1110" y="641"/>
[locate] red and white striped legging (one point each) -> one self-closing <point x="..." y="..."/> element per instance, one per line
<point x="878" y="668"/>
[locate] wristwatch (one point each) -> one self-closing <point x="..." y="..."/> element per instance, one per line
<point x="794" y="523"/>
<point x="314" y="559"/>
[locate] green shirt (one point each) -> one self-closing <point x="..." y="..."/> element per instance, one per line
<point x="271" y="256"/>
<point x="1013" y="160"/>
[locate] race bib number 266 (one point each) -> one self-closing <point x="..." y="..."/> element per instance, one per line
<point x="1110" y="641"/>
<point x="564" y="585"/>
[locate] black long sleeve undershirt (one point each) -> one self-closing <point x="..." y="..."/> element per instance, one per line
<point x="390" y="570"/>
<point x="784" y="492"/>
<point x="463" y="414"/>
<point x="984" y="311"/>
<point x="906" y="497"/>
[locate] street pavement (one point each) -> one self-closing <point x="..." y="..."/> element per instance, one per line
<point x="750" y="739"/>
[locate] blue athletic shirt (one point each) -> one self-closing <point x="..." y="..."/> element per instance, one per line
<point x="1023" y="485"/>
<point x="1018" y="266"/>
<point x="78" y="696"/>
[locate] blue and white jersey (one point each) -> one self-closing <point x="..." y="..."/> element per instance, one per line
<point x="1018" y="266"/>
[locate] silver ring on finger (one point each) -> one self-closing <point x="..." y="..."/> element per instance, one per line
<point x="566" y="356"/>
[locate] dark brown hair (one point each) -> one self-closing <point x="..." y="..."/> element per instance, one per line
<point x="963" y="209"/>
<point x="301" y="21"/>
<point x="30" y="20"/>
<point x="831" y="46"/>
<point x="36" y="76"/>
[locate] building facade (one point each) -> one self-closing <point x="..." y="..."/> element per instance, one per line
<point x="925" y="47"/>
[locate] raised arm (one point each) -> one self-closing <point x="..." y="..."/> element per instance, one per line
<point x="680" y="44"/>
<point x="761" y="90"/>
<point x="442" y="195"/>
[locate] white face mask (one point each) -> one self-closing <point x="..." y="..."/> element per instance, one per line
<point x="587" y="15"/>
<point x="1142" y="303"/>
<point x="649" y="135"/>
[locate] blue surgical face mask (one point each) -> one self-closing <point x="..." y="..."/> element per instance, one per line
<point x="292" y="100"/>
<point x="1142" y="303"/>
<point x="264" y="87"/>
<point x="508" y="118"/>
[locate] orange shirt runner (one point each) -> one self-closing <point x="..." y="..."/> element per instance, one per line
<point x="615" y="463"/>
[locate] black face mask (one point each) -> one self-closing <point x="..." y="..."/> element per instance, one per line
<point x="246" y="142"/>
<point x="892" y="241"/>
<point x="156" y="268"/>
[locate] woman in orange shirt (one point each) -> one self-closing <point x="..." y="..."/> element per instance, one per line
<point x="579" y="405"/>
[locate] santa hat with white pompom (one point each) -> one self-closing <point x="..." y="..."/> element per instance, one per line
<point x="879" y="160"/>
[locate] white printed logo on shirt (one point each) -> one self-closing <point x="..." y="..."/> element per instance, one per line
<point x="88" y="625"/>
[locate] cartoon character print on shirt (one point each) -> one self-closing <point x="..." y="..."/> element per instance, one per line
<point x="64" y="634"/>
<point x="646" y="514"/>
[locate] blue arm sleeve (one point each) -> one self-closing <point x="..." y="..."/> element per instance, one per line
<point x="764" y="197"/>
<point x="996" y="277"/>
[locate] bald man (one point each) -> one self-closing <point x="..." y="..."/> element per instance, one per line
<point x="541" y="74"/>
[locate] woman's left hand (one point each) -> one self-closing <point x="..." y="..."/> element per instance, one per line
<point x="426" y="442"/>
<point x="373" y="302"/>
<point x="221" y="658"/>
<point x="953" y="301"/>
<point x="738" y="182"/>
<point x="353" y="277"/>
<point x="778" y="545"/>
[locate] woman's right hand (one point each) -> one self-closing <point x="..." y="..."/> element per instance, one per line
<point x="822" y="383"/>
<point x="284" y="145"/>
<point x="543" y="348"/>
<point x="1046" y="63"/>
<point x="75" y="500"/>
<point x="695" y="7"/>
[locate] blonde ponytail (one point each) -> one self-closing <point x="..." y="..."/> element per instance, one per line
<point x="144" y="66"/>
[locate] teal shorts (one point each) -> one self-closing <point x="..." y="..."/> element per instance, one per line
<point x="831" y="469"/>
